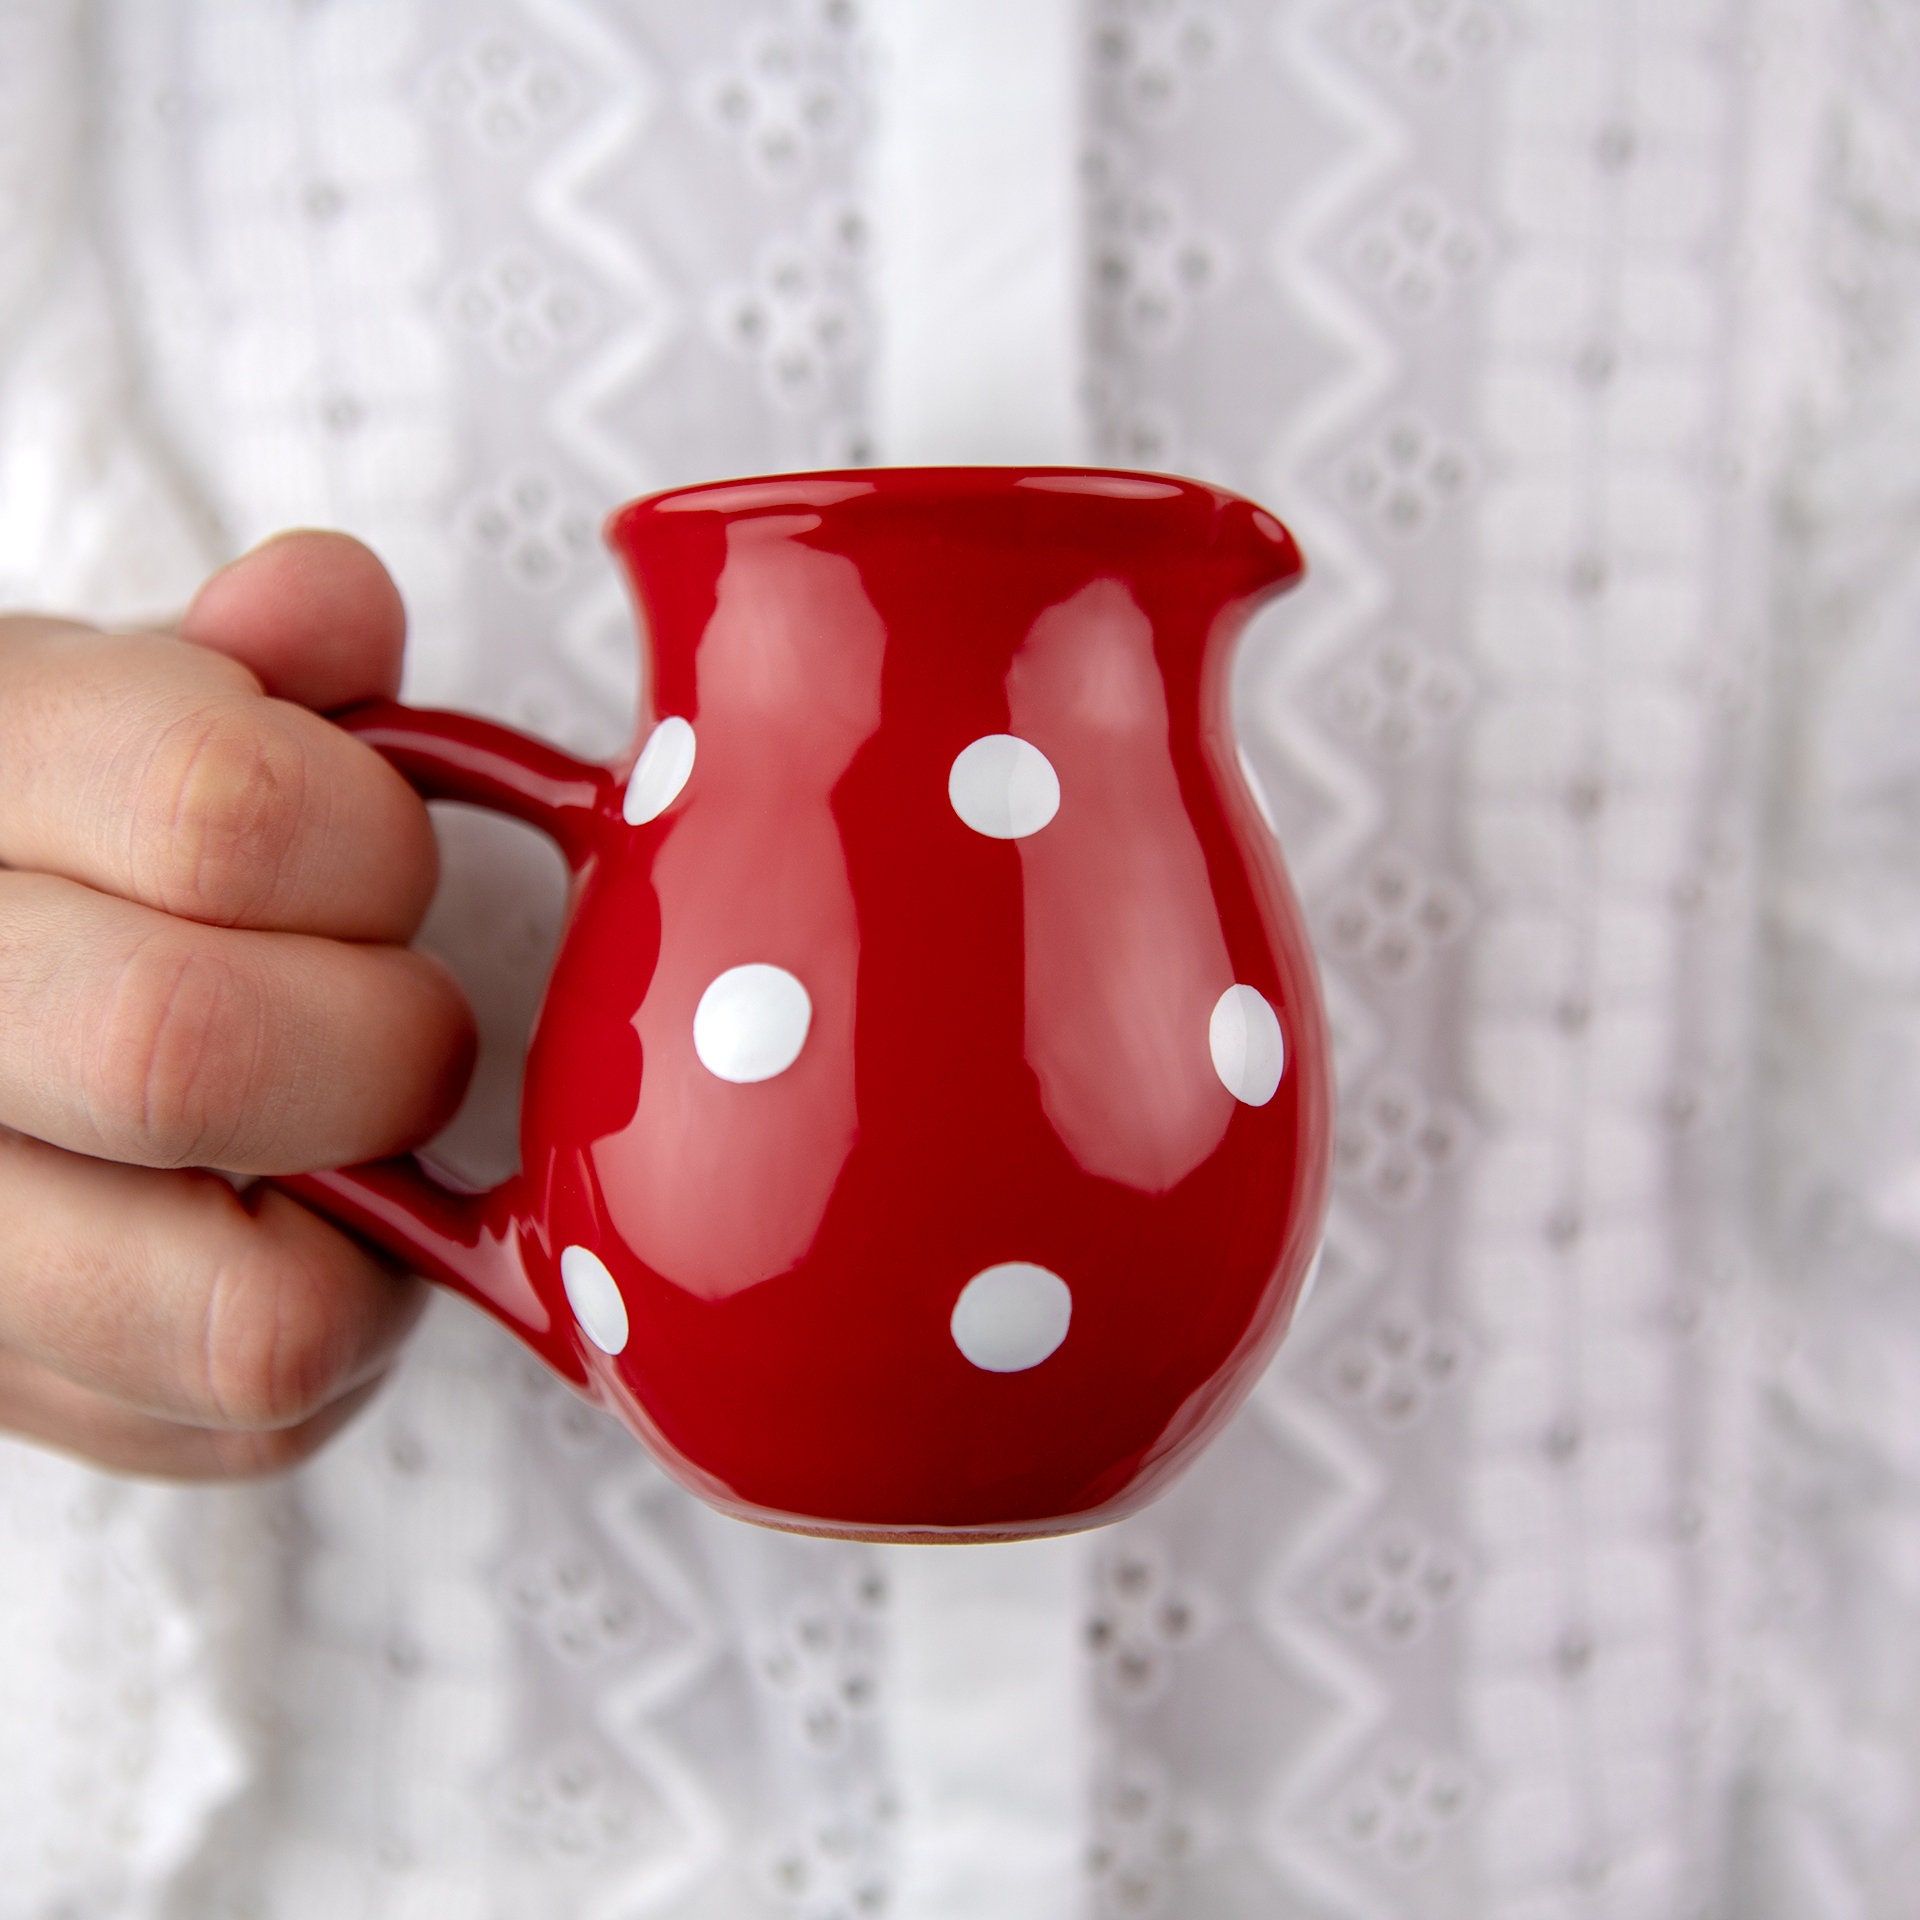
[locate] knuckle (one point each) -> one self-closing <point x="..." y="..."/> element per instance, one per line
<point x="277" y="1345"/>
<point x="177" y="1056"/>
<point x="217" y="814"/>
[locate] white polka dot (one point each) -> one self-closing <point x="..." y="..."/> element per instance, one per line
<point x="660" y="772"/>
<point x="1010" y="1317"/>
<point x="751" y="1023"/>
<point x="595" y="1299"/>
<point x="1004" y="787"/>
<point x="1249" y="1053"/>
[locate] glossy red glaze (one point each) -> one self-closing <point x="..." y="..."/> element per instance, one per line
<point x="1008" y="1057"/>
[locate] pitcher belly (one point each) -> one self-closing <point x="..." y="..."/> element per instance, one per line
<point x="1110" y="1332"/>
<point x="984" y="1331"/>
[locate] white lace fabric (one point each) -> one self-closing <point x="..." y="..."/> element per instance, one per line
<point x="1563" y="1564"/>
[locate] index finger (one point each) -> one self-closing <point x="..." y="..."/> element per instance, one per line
<point x="144" y="766"/>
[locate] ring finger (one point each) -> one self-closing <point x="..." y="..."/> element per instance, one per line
<point x="172" y="1296"/>
<point x="39" y="1404"/>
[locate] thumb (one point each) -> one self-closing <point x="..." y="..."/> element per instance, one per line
<point x="313" y="614"/>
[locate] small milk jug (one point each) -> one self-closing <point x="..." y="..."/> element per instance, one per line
<point x="926" y="1131"/>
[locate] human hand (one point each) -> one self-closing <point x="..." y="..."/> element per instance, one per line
<point x="205" y="894"/>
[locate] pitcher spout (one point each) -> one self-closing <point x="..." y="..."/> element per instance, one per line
<point x="1266" y="553"/>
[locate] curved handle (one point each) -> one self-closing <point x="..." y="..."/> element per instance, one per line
<point x="467" y="1241"/>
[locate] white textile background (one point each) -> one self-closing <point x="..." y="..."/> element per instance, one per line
<point x="1568" y="1561"/>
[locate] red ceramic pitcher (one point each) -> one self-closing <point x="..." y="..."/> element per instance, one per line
<point x="926" y="1131"/>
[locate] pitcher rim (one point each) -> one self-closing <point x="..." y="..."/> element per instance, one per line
<point x="827" y="486"/>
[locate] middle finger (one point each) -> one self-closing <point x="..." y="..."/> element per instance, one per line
<point x="130" y="1035"/>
